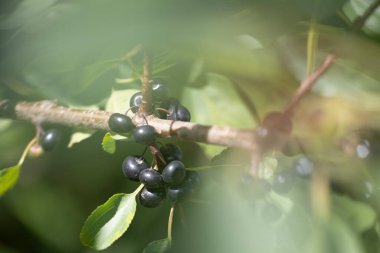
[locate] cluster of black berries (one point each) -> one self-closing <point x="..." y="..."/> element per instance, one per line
<point x="166" y="107"/>
<point x="172" y="180"/>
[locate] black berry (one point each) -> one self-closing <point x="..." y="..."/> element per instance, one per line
<point x="150" y="198"/>
<point x="254" y="187"/>
<point x="120" y="123"/>
<point x="178" y="192"/>
<point x="160" y="91"/>
<point x="152" y="179"/>
<point x="179" y="113"/>
<point x="171" y="152"/>
<point x="132" y="166"/>
<point x="50" y="139"/>
<point x="166" y="105"/>
<point x="174" y="173"/>
<point x="145" y="135"/>
<point x="135" y="101"/>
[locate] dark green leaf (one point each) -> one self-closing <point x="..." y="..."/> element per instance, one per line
<point x="109" y="221"/>
<point x="160" y="246"/>
<point x="8" y="178"/>
<point x="109" y="144"/>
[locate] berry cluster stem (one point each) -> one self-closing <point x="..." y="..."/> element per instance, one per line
<point x="146" y="90"/>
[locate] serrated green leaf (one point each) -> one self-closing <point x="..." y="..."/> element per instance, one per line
<point x="109" y="221"/>
<point x="8" y="178"/>
<point x="159" y="246"/>
<point x="109" y="144"/>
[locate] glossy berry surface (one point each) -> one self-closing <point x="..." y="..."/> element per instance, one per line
<point x="171" y="152"/>
<point x="150" y="198"/>
<point x="168" y="104"/>
<point x="160" y="91"/>
<point x="304" y="167"/>
<point x="50" y="139"/>
<point x="135" y="101"/>
<point x="152" y="179"/>
<point x="120" y="123"/>
<point x="174" y="173"/>
<point x="179" y="113"/>
<point x="145" y="135"/>
<point x="132" y="167"/>
<point x="178" y="192"/>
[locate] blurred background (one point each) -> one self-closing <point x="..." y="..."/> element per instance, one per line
<point x="230" y="63"/>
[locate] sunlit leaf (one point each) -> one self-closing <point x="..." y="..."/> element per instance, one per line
<point x="109" y="221"/>
<point x="8" y="178"/>
<point x="78" y="137"/>
<point x="109" y="144"/>
<point x="119" y="100"/>
<point x="159" y="246"/>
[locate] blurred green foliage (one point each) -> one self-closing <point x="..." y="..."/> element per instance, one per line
<point x="88" y="53"/>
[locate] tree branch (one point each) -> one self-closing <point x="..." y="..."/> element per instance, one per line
<point x="308" y="83"/>
<point x="49" y="112"/>
<point x="360" y="21"/>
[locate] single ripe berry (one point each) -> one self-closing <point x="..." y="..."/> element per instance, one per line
<point x="160" y="91"/>
<point x="171" y="152"/>
<point x="150" y="198"/>
<point x="168" y="104"/>
<point x="178" y="192"/>
<point x="50" y="139"/>
<point x="132" y="167"/>
<point x="145" y="135"/>
<point x="152" y="179"/>
<point x="135" y="101"/>
<point x="120" y="123"/>
<point x="174" y="173"/>
<point x="179" y="113"/>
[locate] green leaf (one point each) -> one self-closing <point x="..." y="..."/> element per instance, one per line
<point x="8" y="178"/>
<point x="359" y="215"/>
<point x="78" y="137"/>
<point x="119" y="100"/>
<point x="213" y="167"/>
<point x="109" y="221"/>
<point x="109" y="144"/>
<point x="159" y="246"/>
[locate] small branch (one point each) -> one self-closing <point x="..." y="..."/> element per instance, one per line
<point x="49" y="112"/>
<point x="146" y="90"/>
<point x="308" y="83"/>
<point x="360" y="21"/>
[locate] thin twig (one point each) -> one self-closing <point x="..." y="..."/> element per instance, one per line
<point x="308" y="83"/>
<point x="146" y="102"/>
